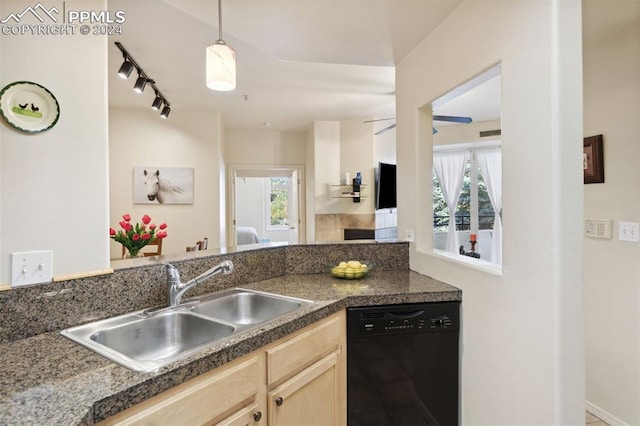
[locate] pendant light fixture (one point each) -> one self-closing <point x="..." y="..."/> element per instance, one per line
<point x="221" y="62"/>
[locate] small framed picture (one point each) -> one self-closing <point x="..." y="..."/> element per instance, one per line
<point x="162" y="185"/>
<point x="593" y="159"/>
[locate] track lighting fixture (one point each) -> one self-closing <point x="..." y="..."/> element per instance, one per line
<point x="125" y="69"/>
<point x="141" y="82"/>
<point x="157" y="102"/>
<point x="221" y="62"/>
<point x="165" y="111"/>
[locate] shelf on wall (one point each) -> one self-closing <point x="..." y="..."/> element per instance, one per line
<point x="350" y="194"/>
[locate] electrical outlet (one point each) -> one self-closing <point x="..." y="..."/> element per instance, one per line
<point x="31" y="267"/>
<point x="629" y="231"/>
<point x="410" y="236"/>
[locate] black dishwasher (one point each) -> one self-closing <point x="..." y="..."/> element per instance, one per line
<point x="402" y="364"/>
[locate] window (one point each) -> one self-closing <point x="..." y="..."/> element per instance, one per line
<point x="278" y="197"/>
<point x="471" y="179"/>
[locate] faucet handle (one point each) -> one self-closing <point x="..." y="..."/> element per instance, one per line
<point x="172" y="272"/>
<point x="227" y="267"/>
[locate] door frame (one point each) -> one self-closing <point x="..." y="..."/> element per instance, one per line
<point x="262" y="170"/>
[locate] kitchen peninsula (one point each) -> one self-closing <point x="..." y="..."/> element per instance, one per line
<point x="47" y="379"/>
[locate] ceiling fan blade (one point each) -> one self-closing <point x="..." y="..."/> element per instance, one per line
<point x="452" y="118"/>
<point x="379" y="119"/>
<point x="386" y="129"/>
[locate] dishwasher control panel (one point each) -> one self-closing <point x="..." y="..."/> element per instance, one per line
<point x="396" y="319"/>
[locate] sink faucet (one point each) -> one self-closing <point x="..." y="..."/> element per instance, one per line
<point x="178" y="288"/>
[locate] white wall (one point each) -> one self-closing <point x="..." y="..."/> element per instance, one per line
<point x="384" y="147"/>
<point x="188" y="138"/>
<point x="310" y="184"/>
<point x="612" y="267"/>
<point x="57" y="181"/>
<point x="343" y="147"/>
<point x="326" y="147"/>
<point x="466" y="133"/>
<point x="522" y="340"/>
<point x="357" y="155"/>
<point x="265" y="147"/>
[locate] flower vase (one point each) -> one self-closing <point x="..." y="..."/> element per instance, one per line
<point x="128" y="255"/>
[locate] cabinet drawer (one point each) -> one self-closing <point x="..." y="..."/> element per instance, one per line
<point x="291" y="357"/>
<point x="198" y="401"/>
<point x="248" y="416"/>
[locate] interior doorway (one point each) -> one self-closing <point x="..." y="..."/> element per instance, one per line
<point x="265" y="205"/>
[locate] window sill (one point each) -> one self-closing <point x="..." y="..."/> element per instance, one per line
<point x="479" y="264"/>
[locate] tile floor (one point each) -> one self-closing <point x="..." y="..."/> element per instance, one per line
<point x="592" y="420"/>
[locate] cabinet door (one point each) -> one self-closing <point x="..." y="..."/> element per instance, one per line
<point x="311" y="398"/>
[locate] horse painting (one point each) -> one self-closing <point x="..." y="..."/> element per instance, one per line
<point x="162" y="190"/>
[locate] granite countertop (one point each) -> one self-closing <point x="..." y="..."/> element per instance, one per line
<point x="50" y="380"/>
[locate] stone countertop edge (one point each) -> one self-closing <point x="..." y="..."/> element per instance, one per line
<point x="48" y="379"/>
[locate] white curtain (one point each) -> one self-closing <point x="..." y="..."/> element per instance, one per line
<point x="490" y="161"/>
<point x="449" y="167"/>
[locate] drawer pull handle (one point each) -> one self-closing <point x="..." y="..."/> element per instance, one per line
<point x="257" y="416"/>
<point x="279" y="401"/>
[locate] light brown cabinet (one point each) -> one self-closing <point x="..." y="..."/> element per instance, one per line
<point x="217" y="397"/>
<point x="300" y="379"/>
<point x="306" y="376"/>
<point x="310" y="397"/>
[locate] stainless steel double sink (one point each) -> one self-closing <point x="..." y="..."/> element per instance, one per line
<point x="147" y="340"/>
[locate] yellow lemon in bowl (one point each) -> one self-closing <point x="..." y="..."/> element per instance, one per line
<point x="352" y="269"/>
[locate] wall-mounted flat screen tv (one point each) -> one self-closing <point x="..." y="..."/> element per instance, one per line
<point x="386" y="186"/>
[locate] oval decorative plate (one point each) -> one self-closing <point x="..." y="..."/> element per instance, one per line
<point x="29" y="107"/>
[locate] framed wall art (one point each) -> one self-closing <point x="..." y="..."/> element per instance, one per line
<point x="162" y="185"/>
<point x="593" y="159"/>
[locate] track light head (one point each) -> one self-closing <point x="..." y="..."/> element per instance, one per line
<point x="141" y="83"/>
<point x="125" y="69"/>
<point x="157" y="103"/>
<point x="165" y="111"/>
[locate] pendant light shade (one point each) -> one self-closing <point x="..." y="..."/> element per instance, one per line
<point x="221" y="62"/>
<point x="221" y="67"/>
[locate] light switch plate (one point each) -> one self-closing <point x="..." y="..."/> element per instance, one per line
<point x="597" y="228"/>
<point x="31" y="267"/>
<point x="410" y="236"/>
<point x="629" y="231"/>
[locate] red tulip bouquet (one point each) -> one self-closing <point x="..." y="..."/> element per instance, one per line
<point x="134" y="237"/>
